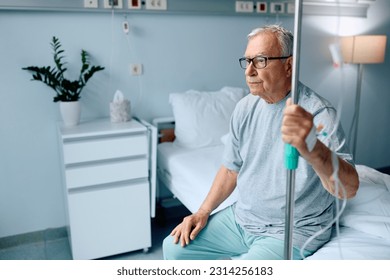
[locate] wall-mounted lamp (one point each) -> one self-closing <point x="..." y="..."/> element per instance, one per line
<point x="365" y="49"/>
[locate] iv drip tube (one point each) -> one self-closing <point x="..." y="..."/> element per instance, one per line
<point x="291" y="154"/>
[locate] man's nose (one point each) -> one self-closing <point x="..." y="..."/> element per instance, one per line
<point x="250" y="70"/>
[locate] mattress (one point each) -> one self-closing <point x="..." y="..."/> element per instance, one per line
<point x="175" y="170"/>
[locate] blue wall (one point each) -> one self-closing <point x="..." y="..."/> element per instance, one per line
<point x="178" y="53"/>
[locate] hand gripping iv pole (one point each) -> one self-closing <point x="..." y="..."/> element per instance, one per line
<point x="291" y="154"/>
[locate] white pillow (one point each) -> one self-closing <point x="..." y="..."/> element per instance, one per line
<point x="371" y="176"/>
<point x="369" y="211"/>
<point x="202" y="118"/>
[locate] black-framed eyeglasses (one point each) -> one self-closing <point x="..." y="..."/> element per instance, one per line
<point x="259" y="62"/>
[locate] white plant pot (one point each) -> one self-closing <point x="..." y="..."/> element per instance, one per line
<point x="70" y="112"/>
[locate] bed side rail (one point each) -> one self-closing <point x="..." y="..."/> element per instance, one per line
<point x="166" y="129"/>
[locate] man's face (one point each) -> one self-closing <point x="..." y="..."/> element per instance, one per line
<point x="274" y="81"/>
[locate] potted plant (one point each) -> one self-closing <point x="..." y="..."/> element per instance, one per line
<point x="67" y="91"/>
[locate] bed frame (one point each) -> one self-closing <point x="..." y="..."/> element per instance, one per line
<point x="167" y="203"/>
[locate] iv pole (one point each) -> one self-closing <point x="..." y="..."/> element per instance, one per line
<point x="291" y="154"/>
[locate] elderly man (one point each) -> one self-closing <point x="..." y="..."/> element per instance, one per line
<point x="253" y="162"/>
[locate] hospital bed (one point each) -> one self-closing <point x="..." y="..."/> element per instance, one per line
<point x="187" y="166"/>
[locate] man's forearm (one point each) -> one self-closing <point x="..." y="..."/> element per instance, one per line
<point x="321" y="160"/>
<point x="223" y="185"/>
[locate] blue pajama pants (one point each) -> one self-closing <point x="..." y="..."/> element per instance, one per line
<point x="223" y="238"/>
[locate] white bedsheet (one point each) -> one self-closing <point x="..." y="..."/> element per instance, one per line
<point x="353" y="245"/>
<point x="189" y="173"/>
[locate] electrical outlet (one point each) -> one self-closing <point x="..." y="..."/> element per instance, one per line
<point x="109" y="4"/>
<point x="134" y="4"/>
<point x="244" y="6"/>
<point x="156" y="4"/>
<point x="290" y="8"/>
<point x="261" y="7"/>
<point x="136" y="69"/>
<point x="277" y="8"/>
<point x="91" y="4"/>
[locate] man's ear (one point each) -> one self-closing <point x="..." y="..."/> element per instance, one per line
<point x="289" y="66"/>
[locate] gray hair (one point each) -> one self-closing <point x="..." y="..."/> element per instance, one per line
<point x="285" y="37"/>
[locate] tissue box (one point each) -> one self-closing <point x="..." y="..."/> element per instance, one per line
<point x="120" y="111"/>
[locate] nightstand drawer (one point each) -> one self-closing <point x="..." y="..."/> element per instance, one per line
<point x="106" y="172"/>
<point x="105" y="148"/>
<point x="110" y="220"/>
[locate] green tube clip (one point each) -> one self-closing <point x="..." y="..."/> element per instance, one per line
<point x="290" y="157"/>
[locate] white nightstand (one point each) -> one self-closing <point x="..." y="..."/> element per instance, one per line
<point x="109" y="183"/>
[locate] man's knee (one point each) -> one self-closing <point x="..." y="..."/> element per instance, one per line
<point x="171" y="251"/>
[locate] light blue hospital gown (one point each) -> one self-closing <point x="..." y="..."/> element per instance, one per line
<point x="255" y="149"/>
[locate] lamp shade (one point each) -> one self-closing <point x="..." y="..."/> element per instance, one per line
<point x="363" y="49"/>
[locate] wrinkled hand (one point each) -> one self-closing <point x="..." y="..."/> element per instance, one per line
<point x="296" y="125"/>
<point x="190" y="227"/>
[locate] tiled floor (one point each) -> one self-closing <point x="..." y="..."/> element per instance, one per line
<point x="53" y="244"/>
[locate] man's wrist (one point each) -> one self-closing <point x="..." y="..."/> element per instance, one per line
<point x="320" y="154"/>
<point x="203" y="210"/>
